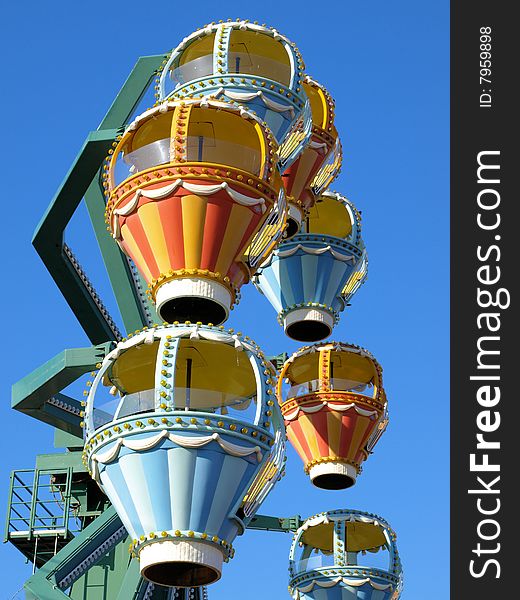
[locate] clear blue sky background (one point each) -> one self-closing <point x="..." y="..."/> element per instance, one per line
<point x="386" y="64"/>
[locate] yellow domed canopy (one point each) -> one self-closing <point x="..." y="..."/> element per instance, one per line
<point x="198" y="50"/>
<point x="345" y="365"/>
<point x="157" y="128"/>
<point x="331" y="367"/>
<point x="224" y="137"/>
<point x="359" y="537"/>
<point x="207" y="374"/>
<point x="211" y="367"/>
<point x="134" y="370"/>
<point x="258" y="54"/>
<point x="329" y="216"/>
<point x="212" y="133"/>
<point x="321" y="106"/>
<point x="248" y="51"/>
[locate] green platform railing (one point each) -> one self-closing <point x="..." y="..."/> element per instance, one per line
<point x="40" y="513"/>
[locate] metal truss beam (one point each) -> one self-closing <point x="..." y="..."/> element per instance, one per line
<point x="39" y="393"/>
<point x="49" y="582"/>
<point x="82" y="181"/>
<point x="280" y="524"/>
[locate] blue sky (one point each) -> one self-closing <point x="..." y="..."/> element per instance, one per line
<point x="386" y="64"/>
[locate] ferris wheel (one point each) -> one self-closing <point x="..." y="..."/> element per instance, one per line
<point x="181" y="433"/>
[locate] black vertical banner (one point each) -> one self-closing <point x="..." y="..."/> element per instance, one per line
<point x="485" y="331"/>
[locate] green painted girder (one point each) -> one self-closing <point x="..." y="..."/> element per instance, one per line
<point x="61" y="460"/>
<point x="133" y="585"/>
<point x="39" y="393"/>
<point x="104" y="580"/>
<point x="278" y="360"/>
<point x="83" y="181"/>
<point x="68" y="567"/>
<point x="129" y="301"/>
<point x="67" y="419"/>
<point x="135" y="308"/>
<point x="70" y="564"/>
<point x="45" y="583"/>
<point x="48" y="238"/>
<point x="133" y="90"/>
<point x="280" y="524"/>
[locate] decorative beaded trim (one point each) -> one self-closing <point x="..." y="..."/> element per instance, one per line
<point x="198" y="171"/>
<point x="345" y="572"/>
<point x="155" y="284"/>
<point x="136" y="546"/>
<point x="330" y="396"/>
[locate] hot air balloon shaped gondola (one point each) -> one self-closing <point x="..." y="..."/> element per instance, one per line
<point x="195" y="199"/>
<point x="335" y="410"/>
<point x="345" y="555"/>
<point x="248" y="64"/>
<point x="310" y="278"/>
<point x="318" y="164"/>
<point x="185" y="438"/>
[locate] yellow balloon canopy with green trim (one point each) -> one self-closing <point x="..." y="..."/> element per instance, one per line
<point x="344" y="364"/>
<point x="359" y="537"/>
<point x="210" y="370"/>
<point x="329" y="216"/>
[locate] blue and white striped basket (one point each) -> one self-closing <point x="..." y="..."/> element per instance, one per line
<point x="310" y="278"/>
<point x="185" y="482"/>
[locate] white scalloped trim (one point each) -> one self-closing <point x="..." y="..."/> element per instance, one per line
<point x="248" y="96"/>
<point x="183" y="441"/>
<point x="316" y="251"/>
<point x="195" y="188"/>
<point x="346" y="581"/>
<point x="340" y="407"/>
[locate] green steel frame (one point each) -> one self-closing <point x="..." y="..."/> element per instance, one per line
<point x="38" y="515"/>
<point x="39" y="393"/>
